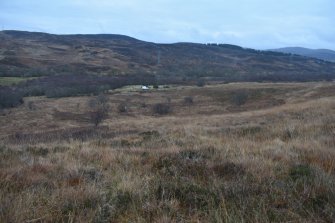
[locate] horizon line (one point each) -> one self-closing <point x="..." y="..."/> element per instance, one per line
<point x="204" y="43"/>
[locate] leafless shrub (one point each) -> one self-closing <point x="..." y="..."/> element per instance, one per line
<point x="31" y="105"/>
<point x="239" y="98"/>
<point x="188" y="100"/>
<point x="122" y="107"/>
<point x="161" y="108"/>
<point x="168" y="100"/>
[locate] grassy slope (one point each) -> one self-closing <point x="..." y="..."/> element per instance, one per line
<point x="268" y="160"/>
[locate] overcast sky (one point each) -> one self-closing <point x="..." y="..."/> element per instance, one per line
<point x="260" y="24"/>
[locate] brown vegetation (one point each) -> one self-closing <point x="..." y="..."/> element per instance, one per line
<point x="270" y="159"/>
<point x="42" y="54"/>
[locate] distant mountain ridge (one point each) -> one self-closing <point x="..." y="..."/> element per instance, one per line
<point x="323" y="54"/>
<point x="38" y="54"/>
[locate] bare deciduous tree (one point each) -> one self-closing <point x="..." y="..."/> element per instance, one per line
<point x="98" y="109"/>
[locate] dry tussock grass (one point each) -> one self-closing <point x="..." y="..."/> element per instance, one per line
<point x="201" y="163"/>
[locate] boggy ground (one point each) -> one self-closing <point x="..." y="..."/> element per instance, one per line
<point x="267" y="158"/>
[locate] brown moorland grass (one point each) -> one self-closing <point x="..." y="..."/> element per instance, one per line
<point x="270" y="159"/>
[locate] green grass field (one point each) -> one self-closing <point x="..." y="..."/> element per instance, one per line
<point x="8" y="81"/>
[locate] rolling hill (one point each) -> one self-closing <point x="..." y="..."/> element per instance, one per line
<point x="38" y="54"/>
<point x="323" y="54"/>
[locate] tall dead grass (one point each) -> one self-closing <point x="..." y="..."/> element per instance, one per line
<point x="270" y="165"/>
